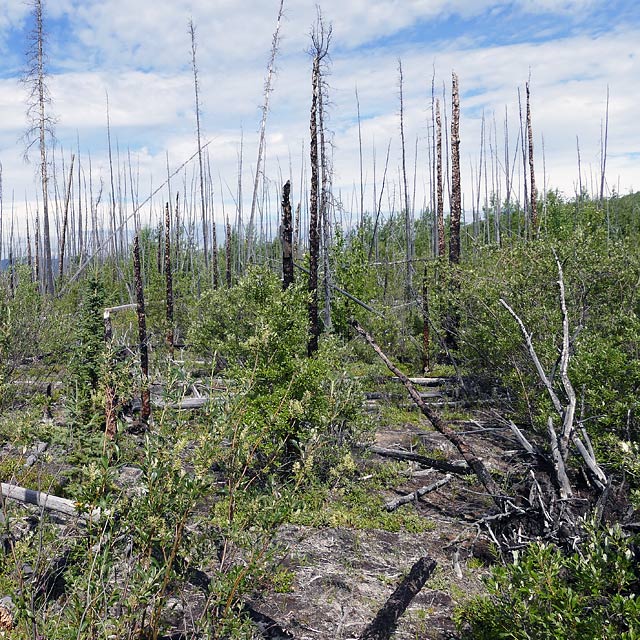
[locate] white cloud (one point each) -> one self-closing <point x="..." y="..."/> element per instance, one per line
<point x="138" y="52"/>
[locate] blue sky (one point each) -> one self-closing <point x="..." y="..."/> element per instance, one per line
<point x="137" y="51"/>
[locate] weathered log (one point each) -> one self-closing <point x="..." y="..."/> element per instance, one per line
<point x="46" y="501"/>
<point x="467" y="452"/>
<point x="461" y="468"/>
<point x="392" y="505"/>
<point x="386" y="620"/>
<point x="425" y="382"/>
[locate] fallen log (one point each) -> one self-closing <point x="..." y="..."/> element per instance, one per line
<point x="386" y="620"/>
<point x="461" y="468"/>
<point x="425" y="382"/>
<point x="436" y="419"/>
<point x="392" y="505"/>
<point x="46" y="501"/>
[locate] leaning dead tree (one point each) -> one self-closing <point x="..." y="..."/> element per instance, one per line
<point x="544" y="503"/>
<point x="440" y="424"/>
<point x="565" y="412"/>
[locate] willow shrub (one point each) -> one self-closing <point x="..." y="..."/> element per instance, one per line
<point x="283" y="403"/>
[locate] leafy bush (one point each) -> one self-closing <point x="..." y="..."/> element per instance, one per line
<point x="545" y="595"/>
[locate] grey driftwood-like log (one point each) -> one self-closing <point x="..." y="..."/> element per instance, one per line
<point x="461" y="468"/>
<point x="392" y="505"/>
<point x="46" y="501"/>
<point x="467" y="452"/>
<point x="386" y="620"/>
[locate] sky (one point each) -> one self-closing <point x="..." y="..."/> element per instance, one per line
<point x="137" y="52"/>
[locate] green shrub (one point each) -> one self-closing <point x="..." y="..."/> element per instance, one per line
<point x="546" y="595"/>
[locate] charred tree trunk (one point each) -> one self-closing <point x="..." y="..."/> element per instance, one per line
<point x="168" y="277"/>
<point x="440" y="205"/>
<point x="456" y="192"/>
<point x="314" y="237"/>
<point x="320" y="39"/>
<point x="142" y="333"/>
<point x="534" y="204"/>
<point x="452" y="319"/>
<point x="287" y="237"/>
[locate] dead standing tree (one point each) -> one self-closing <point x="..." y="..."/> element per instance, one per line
<point x="40" y="124"/>
<point x="320" y="38"/>
<point x="440" y="205"/>
<point x="452" y="320"/>
<point x="287" y="237"/>
<point x="408" y="221"/>
<point x="205" y="233"/>
<point x="532" y="183"/>
<point x="142" y="334"/>
<point x="268" y="88"/>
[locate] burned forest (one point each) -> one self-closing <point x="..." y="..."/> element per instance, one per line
<point x="259" y="407"/>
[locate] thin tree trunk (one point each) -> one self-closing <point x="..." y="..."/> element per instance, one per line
<point x="142" y="333"/>
<point x="440" y="201"/>
<point x="314" y="238"/>
<point x="534" y="196"/>
<point x="287" y="237"/>
<point x="456" y="191"/>
<point x="65" y="218"/>
<point x="408" y="222"/>
<point x="203" y="213"/>
<point x="263" y="126"/>
<point x="168" y="277"/>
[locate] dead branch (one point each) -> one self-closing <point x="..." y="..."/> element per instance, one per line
<point x="392" y="505"/>
<point x="441" y="465"/>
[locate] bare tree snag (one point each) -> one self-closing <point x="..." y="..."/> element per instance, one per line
<point x="168" y="278"/>
<point x="534" y="195"/>
<point x="474" y="462"/>
<point x="440" y="201"/>
<point x="40" y="125"/>
<point x="205" y="233"/>
<point x="142" y="333"/>
<point x="320" y="38"/>
<point x="456" y="191"/>
<point x="65" y="218"/>
<point x="287" y="237"/>
<point x="314" y="237"/>
<point x="263" y="126"/>
<point x="408" y="222"/>
<point x="384" y="624"/>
